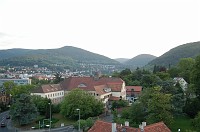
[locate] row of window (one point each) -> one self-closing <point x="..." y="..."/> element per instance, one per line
<point x="54" y="95"/>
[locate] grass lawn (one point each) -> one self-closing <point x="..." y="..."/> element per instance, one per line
<point x="62" y="120"/>
<point x="183" y="123"/>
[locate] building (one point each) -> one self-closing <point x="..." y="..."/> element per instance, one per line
<point x="101" y="126"/>
<point x="132" y="93"/>
<point x="103" y="88"/>
<point x="50" y="91"/>
<point x="183" y="84"/>
<point x="25" y="81"/>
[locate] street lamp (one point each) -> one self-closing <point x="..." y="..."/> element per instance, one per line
<point x="50" y="116"/>
<point x="78" y="120"/>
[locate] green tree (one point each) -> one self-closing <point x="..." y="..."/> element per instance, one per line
<point x="195" y="76"/>
<point x="58" y="78"/>
<point x="137" y="113"/>
<point x="196" y="121"/>
<point x="19" y="89"/>
<point x="23" y="111"/>
<point x="159" y="107"/>
<point x="185" y="65"/>
<point x="9" y="85"/>
<point x="80" y="99"/>
<point x="41" y="104"/>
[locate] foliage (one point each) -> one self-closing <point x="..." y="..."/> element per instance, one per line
<point x="192" y="107"/>
<point x="19" y="89"/>
<point x="41" y="104"/>
<point x="174" y="72"/>
<point x="196" y="121"/>
<point x="85" y="124"/>
<point x="195" y="76"/>
<point x="119" y="104"/>
<point x="80" y="99"/>
<point x="35" y="81"/>
<point x="173" y="56"/>
<point x="138" y="113"/>
<point x="9" y="86"/>
<point x="64" y="57"/>
<point x="183" y="123"/>
<point x="58" y="78"/>
<point x="159" y="107"/>
<point x="185" y="65"/>
<point x="23" y="111"/>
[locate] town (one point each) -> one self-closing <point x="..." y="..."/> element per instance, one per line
<point x="126" y="100"/>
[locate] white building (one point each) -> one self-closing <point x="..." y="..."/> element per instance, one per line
<point x="50" y="91"/>
<point x="183" y="84"/>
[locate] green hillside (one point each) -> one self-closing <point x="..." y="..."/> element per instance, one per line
<point x="173" y="56"/>
<point x="65" y="56"/>
<point x="140" y="60"/>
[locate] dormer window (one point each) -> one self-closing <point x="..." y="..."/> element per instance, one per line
<point x="82" y="85"/>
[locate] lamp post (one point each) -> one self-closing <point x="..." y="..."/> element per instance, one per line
<point x="50" y="116"/>
<point x="78" y="119"/>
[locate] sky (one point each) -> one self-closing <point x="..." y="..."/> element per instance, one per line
<point x="113" y="28"/>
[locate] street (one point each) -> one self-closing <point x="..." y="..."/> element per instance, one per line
<point x="5" y="121"/>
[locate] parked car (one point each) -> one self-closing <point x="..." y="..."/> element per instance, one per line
<point x="3" y="124"/>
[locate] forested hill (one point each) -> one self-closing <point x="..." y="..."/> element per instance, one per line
<point x="67" y="55"/>
<point x="173" y="56"/>
<point x="140" y="60"/>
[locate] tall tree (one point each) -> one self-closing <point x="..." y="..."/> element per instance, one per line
<point x="80" y="99"/>
<point x="159" y="107"/>
<point x="23" y="111"/>
<point x="195" y="76"/>
<point x="186" y="65"/>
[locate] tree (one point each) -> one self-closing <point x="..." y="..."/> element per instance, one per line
<point x="195" y="76"/>
<point x="137" y="113"/>
<point x="196" y="121"/>
<point x="58" y="78"/>
<point x="23" y="111"/>
<point x="19" y="89"/>
<point x="185" y="65"/>
<point x="159" y="107"/>
<point x="41" y="104"/>
<point x="80" y="99"/>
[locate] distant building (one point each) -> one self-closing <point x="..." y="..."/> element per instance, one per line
<point x="183" y="84"/>
<point x="132" y="93"/>
<point x="50" y="91"/>
<point x="103" y="88"/>
<point x="16" y="81"/>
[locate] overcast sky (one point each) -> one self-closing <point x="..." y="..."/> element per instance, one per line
<point x="113" y="28"/>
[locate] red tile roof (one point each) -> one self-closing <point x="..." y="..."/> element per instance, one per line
<point x="101" y="126"/>
<point x="88" y="83"/>
<point x="48" y="88"/>
<point x="100" y="89"/>
<point x="157" y="127"/>
<point x="136" y="88"/>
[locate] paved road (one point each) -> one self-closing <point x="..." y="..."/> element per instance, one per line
<point x="61" y="129"/>
<point x="6" y="121"/>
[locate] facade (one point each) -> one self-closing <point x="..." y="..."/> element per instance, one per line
<point x="132" y="93"/>
<point x="183" y="84"/>
<point x="50" y="91"/>
<point x="16" y="81"/>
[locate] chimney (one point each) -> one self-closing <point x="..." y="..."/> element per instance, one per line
<point x="141" y="128"/>
<point x="126" y="123"/>
<point x="114" y="129"/>
<point x="144" y="124"/>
